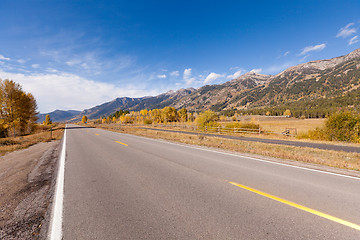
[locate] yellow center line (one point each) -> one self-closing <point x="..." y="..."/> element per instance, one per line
<point x="306" y="209"/>
<point x="97" y="134"/>
<point x="122" y="143"/>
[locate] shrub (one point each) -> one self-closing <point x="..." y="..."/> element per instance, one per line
<point x="250" y="125"/>
<point x="212" y="124"/>
<point x="318" y="134"/>
<point x="343" y="126"/>
<point x="147" y="121"/>
<point x="207" y="119"/>
<point x="233" y="125"/>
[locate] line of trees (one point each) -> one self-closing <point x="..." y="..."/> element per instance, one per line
<point x="165" y="115"/>
<point x="18" y="113"/>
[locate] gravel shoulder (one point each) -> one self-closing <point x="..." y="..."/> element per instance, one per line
<point x="27" y="179"/>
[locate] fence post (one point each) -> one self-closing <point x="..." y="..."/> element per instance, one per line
<point x="259" y="131"/>
<point x="219" y="129"/>
<point x="234" y="130"/>
<point x="50" y="133"/>
<point x="205" y="128"/>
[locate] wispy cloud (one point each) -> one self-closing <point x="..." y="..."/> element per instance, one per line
<point x="174" y="74"/>
<point x="354" y="40"/>
<point x="212" y="77"/>
<point x="236" y="74"/>
<point x="92" y="62"/>
<point x="35" y="65"/>
<point x="304" y="58"/>
<point x="187" y="76"/>
<point x="4" y="58"/>
<point x="73" y="62"/>
<point x="312" y="48"/>
<point x="51" y="70"/>
<point x="347" y="31"/>
<point x="161" y="76"/>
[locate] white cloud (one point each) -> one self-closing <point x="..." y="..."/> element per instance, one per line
<point x="354" y="40"/>
<point x="73" y="62"/>
<point x="212" y="77"/>
<point x="84" y="66"/>
<point x="234" y="68"/>
<point x="69" y="91"/>
<point x="187" y="76"/>
<point x="21" y="61"/>
<point x="174" y="74"/>
<point x="51" y="70"/>
<point x="304" y="58"/>
<point x="313" y="48"/>
<point x="346" y="31"/>
<point x="235" y="75"/>
<point x="286" y="53"/>
<point x="35" y="65"/>
<point x="161" y="76"/>
<point x="256" y="70"/>
<point x="4" y="58"/>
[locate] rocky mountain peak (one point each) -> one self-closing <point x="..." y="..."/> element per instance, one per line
<point x="257" y="78"/>
<point x="324" y="64"/>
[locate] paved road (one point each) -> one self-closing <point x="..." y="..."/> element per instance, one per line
<point x="272" y="141"/>
<point x="121" y="186"/>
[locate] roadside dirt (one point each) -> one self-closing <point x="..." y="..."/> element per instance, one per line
<point x="27" y="178"/>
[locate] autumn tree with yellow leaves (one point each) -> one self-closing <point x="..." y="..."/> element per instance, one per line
<point x="47" y="120"/>
<point x="84" y="119"/>
<point x="18" y="109"/>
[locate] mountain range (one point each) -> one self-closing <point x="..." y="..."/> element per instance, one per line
<point x="312" y="82"/>
<point x="59" y="115"/>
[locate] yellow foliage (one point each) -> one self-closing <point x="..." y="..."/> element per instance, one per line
<point x="84" y="119"/>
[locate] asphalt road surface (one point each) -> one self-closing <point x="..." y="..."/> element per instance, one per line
<point x="121" y="186"/>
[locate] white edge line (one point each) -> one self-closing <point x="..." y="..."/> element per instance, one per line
<point x="242" y="156"/>
<point x="55" y="230"/>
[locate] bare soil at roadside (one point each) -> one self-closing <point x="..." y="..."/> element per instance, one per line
<point x="27" y="179"/>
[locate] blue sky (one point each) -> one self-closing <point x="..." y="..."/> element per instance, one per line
<point x="78" y="54"/>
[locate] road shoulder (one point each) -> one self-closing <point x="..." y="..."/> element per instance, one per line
<point x="27" y="178"/>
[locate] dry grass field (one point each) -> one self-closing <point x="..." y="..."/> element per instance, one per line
<point x="12" y="144"/>
<point x="271" y="124"/>
<point x="280" y="124"/>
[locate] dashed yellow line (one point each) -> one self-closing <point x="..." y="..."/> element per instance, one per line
<point x="97" y="134"/>
<point x="122" y="143"/>
<point x="306" y="209"/>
